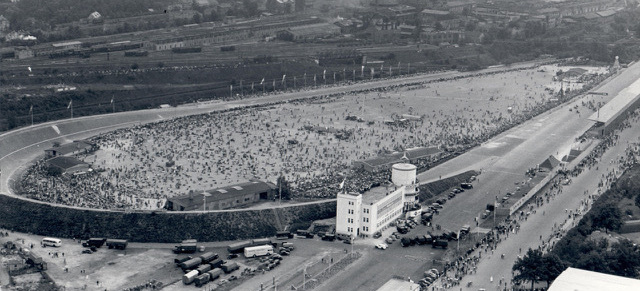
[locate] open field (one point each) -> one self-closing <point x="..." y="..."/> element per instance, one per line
<point x="310" y="142"/>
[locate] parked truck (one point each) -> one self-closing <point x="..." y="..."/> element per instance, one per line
<point x="216" y="263"/>
<point x="215" y="274"/>
<point x="189" y="277"/>
<point x="191" y="264"/>
<point x="187" y="246"/>
<point x="284" y="235"/>
<point x="229" y="267"/>
<point x="180" y="261"/>
<point x="203" y="268"/>
<point x="208" y="257"/>
<point x="260" y="242"/>
<point x="202" y="279"/>
<point x="239" y="246"/>
<point x="94" y="242"/>
<point x="119" y="244"/>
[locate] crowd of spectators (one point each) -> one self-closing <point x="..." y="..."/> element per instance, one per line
<point x="139" y="167"/>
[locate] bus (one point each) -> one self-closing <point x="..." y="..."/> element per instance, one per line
<point x="257" y="251"/>
<point x="51" y="242"/>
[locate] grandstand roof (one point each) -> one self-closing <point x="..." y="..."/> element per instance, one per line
<point x="70" y="148"/>
<point x="576" y="279"/>
<point x="65" y="163"/>
<point x="197" y="198"/>
<point x="610" y="111"/>
<point x="413" y="153"/>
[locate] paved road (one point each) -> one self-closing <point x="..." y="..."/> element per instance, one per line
<point x="503" y="161"/>
<point x="540" y="224"/>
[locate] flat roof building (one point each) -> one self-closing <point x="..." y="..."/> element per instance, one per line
<point x="69" y="149"/>
<point x="223" y="198"/>
<point x="362" y="215"/>
<point x="610" y="115"/>
<point x="68" y="165"/>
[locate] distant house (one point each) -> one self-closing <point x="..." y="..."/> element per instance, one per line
<point x="94" y="16"/>
<point x="223" y="198"/>
<point x="458" y="7"/>
<point x="69" y="149"/>
<point x="312" y="31"/>
<point x="68" y="165"/>
<point x="4" y="23"/>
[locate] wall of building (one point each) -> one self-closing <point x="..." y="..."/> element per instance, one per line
<point x="348" y="214"/>
<point x="385" y="211"/>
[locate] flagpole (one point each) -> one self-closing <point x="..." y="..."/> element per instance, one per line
<point x="31" y="112"/>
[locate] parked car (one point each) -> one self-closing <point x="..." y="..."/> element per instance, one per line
<point x="382" y="246"/>
<point x="377" y="234"/>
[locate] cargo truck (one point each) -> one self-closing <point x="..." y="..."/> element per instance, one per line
<point x="238" y="247"/>
<point x="215" y="274"/>
<point x="202" y="279"/>
<point x="203" y="268"/>
<point x="216" y="263"/>
<point x="284" y="235"/>
<point x="180" y="261"/>
<point x="187" y="246"/>
<point x="191" y="264"/>
<point x="229" y="267"/>
<point x="94" y="242"/>
<point x="189" y="277"/>
<point x="208" y="257"/>
<point x="260" y="242"/>
<point x="119" y="244"/>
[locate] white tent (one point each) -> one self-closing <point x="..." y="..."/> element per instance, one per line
<point x="580" y="280"/>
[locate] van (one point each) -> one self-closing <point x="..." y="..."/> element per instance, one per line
<point x="440" y="243"/>
<point x="50" y="242"/>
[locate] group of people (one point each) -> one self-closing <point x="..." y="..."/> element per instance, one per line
<point x="142" y="166"/>
<point x="466" y="264"/>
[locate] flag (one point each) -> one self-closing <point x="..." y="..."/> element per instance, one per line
<point x="314" y="77"/>
<point x="70" y="103"/>
<point x="283" y="76"/>
<point x="31" y="109"/>
<point x="111" y="100"/>
<point x="342" y="183"/>
<point x="323" y="75"/>
<point x="231" y="87"/>
<point x="262" y="82"/>
<point x="29" y="69"/>
<point x="251" y="86"/>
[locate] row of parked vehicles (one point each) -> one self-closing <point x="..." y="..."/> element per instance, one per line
<point x="93" y="244"/>
<point x="204" y="268"/>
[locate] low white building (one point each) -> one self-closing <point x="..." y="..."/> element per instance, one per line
<point x="361" y="215"/>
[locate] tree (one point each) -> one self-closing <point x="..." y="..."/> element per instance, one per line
<point x="553" y="267"/>
<point x="607" y="216"/>
<point x="637" y="200"/>
<point x="530" y="268"/>
<point x="284" y="188"/>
